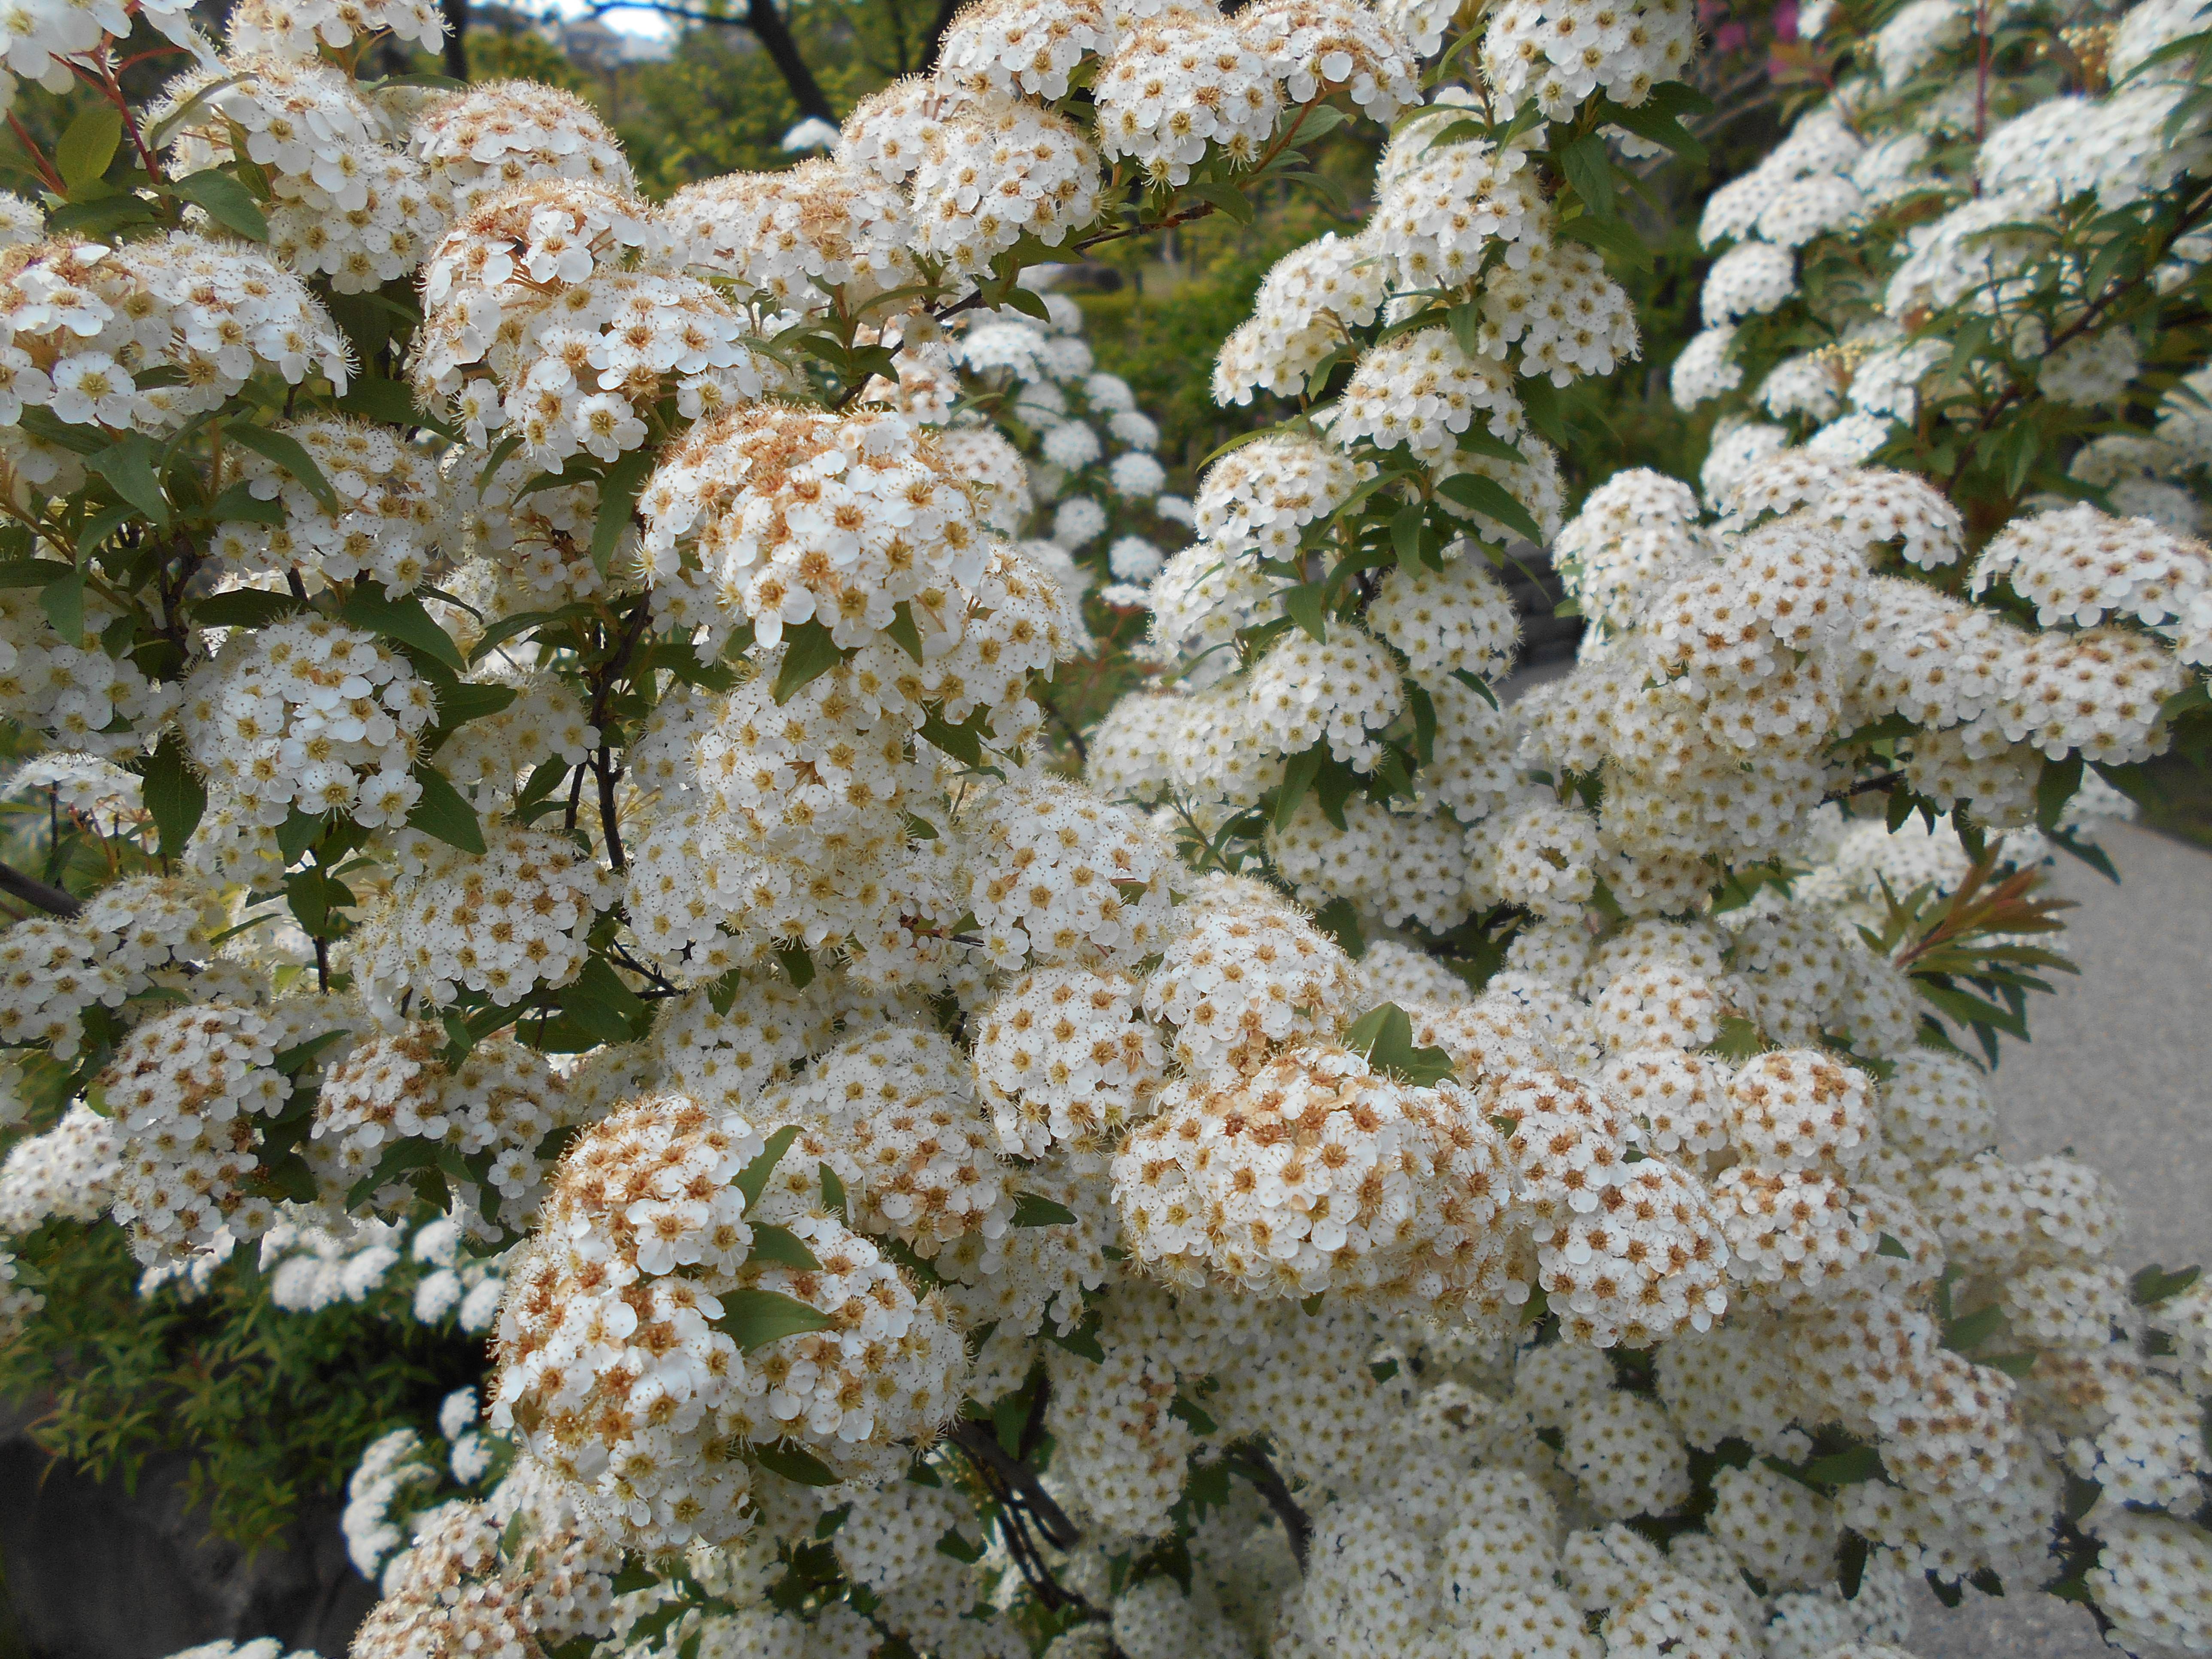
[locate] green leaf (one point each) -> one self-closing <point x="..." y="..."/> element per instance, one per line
<point x="62" y="600"/>
<point x="101" y="216"/>
<point x="1589" y="168"/>
<point x="42" y="425"/>
<point x="1298" y="775"/>
<point x="443" y="812"/>
<point x="1737" y="1040"/>
<point x="1385" y="1035"/>
<point x="833" y="1190"/>
<point x="904" y="634"/>
<point x="1082" y="1340"/>
<point x="1849" y="1468"/>
<point x="809" y="653"/>
<point x="752" y="1180"/>
<point x="499" y="633"/>
<point x="1474" y="683"/>
<point x="2015" y="1365"/>
<point x="795" y="1463"/>
<point x="797" y="963"/>
<point x="2055" y="786"/>
<point x="2154" y="1285"/>
<point x="1491" y="498"/>
<point x="459" y="704"/>
<point x="1424" y="723"/>
<point x="1026" y="301"/>
<point x="297" y="833"/>
<point x="1227" y="198"/>
<point x="618" y="493"/>
<point x="1405" y="534"/>
<point x="782" y="1246"/>
<point x="245" y="607"/>
<point x="753" y="1318"/>
<point x="1479" y="439"/>
<point x="240" y="505"/>
<point x="1201" y="1421"/>
<point x="399" y="1158"/>
<point x="157" y="136"/>
<point x="964" y="742"/>
<point x="301" y="1055"/>
<point x="1340" y="920"/>
<point x="501" y="453"/>
<point x="1307" y="604"/>
<point x="404" y="619"/>
<point x="288" y="453"/>
<point x="1467" y="328"/>
<point x="598" y="1001"/>
<point x="1851" y="1564"/>
<point x="1888" y="1246"/>
<point x="960" y="1549"/>
<point x="1611" y="236"/>
<point x="34" y="573"/>
<point x="174" y="794"/>
<point x="1034" y="1210"/>
<point x="1646" y="121"/>
<point x="82" y="153"/>
<point x="129" y="465"/>
<point x="376" y="398"/>
<point x="228" y="203"/>
<point x="1963" y="1335"/>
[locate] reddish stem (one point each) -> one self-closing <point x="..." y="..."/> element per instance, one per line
<point x="51" y="179"/>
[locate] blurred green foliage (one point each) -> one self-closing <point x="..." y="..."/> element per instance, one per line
<point x="274" y="1407"/>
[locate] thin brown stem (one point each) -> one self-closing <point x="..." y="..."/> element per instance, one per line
<point x="975" y="1442"/>
<point x="33" y="891"/>
<point x="47" y="176"/>
<point x="1251" y="1461"/>
<point x="1882" y="785"/>
<point x="608" y="775"/>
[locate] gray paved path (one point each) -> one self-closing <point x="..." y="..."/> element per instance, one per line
<point x="2120" y="1072"/>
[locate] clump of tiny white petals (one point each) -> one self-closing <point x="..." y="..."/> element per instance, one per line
<point x="502" y="133"/>
<point x="1421" y="391"/>
<point x="1261" y="496"/>
<point x="2079" y="566"/>
<point x="505" y="922"/>
<point x="1064" y="1055"/>
<point x="1316" y="47"/>
<point x="798" y="515"/>
<point x="1001" y="168"/>
<point x="1249" y="972"/>
<point x="390" y="522"/>
<point x="1559" y="52"/>
<point x="1342" y="691"/>
<point x="1180" y="82"/>
<point x="1456" y="621"/>
<point x="185" y="1090"/>
<point x="86" y="321"/>
<point x="1305" y="308"/>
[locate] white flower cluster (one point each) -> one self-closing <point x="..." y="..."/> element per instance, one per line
<point x="186" y="1089"/>
<point x="1086" y="476"/>
<point x="1558" y="52"/>
<point x="306" y="715"/>
<point x="505" y="922"/>
<point x="347" y="205"/>
<point x="142" y="933"/>
<point x="646" y="1232"/>
<point x="82" y="324"/>
<point x="555" y="311"/>
<point x="391" y="519"/>
<point x="837" y="1103"/>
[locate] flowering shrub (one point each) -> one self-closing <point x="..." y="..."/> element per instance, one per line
<point x="1364" y="1168"/>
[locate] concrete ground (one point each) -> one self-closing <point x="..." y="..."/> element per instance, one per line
<point x="2119" y="1075"/>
